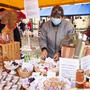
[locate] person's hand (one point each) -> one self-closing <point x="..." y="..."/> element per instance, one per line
<point x="44" y="54"/>
<point x="56" y="56"/>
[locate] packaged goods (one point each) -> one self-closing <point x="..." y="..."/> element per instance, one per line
<point x="56" y="84"/>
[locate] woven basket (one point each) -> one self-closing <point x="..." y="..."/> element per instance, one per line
<point x="23" y="73"/>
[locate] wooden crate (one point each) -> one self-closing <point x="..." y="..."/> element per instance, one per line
<point x="10" y="51"/>
<point x="67" y="51"/>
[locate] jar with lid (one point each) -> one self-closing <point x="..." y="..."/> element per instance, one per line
<point x="80" y="78"/>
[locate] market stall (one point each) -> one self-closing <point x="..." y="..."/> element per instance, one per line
<point x="70" y="72"/>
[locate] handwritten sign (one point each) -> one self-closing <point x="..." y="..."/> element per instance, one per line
<point x="31" y="9"/>
<point x="68" y="67"/>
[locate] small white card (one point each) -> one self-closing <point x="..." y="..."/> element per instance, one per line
<point x="68" y="67"/>
<point x="51" y="74"/>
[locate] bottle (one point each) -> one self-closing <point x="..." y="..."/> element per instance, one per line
<point x="78" y="46"/>
<point x="79" y="50"/>
<point x="26" y="58"/>
<point x="80" y="78"/>
<point x="81" y="53"/>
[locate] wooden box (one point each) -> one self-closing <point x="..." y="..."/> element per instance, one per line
<point x="67" y="51"/>
<point x="10" y="51"/>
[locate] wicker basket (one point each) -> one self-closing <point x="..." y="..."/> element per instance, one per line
<point x="23" y="73"/>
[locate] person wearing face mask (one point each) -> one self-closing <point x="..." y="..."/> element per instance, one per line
<point x="53" y="32"/>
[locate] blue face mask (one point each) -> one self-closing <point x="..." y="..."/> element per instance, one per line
<point x="56" y="21"/>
